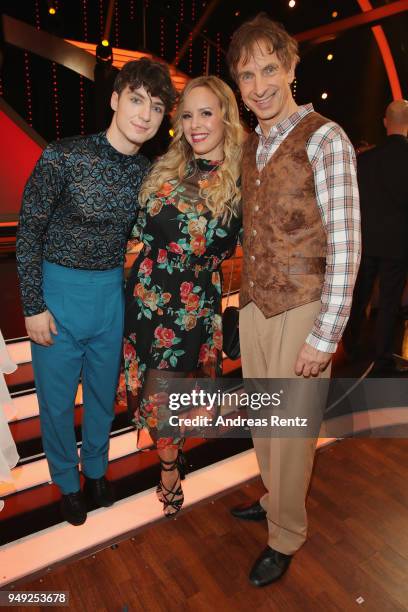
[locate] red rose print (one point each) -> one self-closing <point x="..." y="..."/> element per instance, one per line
<point x="128" y="351"/>
<point x="155" y="207"/>
<point x="146" y="266"/>
<point x="192" y="301"/>
<point x="151" y="421"/>
<point x="185" y="289"/>
<point x="204" y="351"/>
<point x="149" y="405"/>
<point x="150" y="299"/>
<point x="165" y="336"/>
<point x="212" y="354"/>
<point x="198" y="245"/>
<point x="217" y="339"/>
<point x="133" y="383"/>
<point x="190" y="321"/>
<point x="165" y="190"/>
<point x="175" y="248"/>
<point x="139" y="290"/>
<point x="162" y="256"/>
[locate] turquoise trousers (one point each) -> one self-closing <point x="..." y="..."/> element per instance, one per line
<point x="88" y="308"/>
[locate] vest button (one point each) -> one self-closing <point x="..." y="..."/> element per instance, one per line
<point x="258" y="182"/>
<point x="254" y="232"/>
<point x="252" y="257"/>
<point x="251" y="283"/>
<point x="256" y="208"/>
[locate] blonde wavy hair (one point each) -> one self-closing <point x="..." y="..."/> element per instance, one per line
<point x="222" y="195"/>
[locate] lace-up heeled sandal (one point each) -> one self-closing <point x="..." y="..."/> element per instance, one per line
<point x="182" y="466"/>
<point x="172" y="499"/>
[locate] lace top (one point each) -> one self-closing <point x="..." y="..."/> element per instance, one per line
<point x="78" y="208"/>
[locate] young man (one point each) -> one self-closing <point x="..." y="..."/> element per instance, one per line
<point x="78" y="208"/>
<point x="301" y="254"/>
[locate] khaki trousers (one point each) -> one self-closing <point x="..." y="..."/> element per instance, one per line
<point x="269" y="348"/>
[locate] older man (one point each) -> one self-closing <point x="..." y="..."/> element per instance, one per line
<point x="301" y="255"/>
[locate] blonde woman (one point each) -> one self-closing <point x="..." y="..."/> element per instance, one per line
<point x="189" y="223"/>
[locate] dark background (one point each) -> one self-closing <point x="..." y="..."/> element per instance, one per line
<point x="355" y="80"/>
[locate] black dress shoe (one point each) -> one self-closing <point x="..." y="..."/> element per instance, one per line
<point x="269" y="567"/>
<point x="249" y="512"/>
<point x="100" y="491"/>
<point x="73" y="508"/>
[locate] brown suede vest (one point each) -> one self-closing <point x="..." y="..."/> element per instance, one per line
<point x="284" y="238"/>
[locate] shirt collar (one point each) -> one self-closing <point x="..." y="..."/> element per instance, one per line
<point x="287" y="124"/>
<point x="111" y="152"/>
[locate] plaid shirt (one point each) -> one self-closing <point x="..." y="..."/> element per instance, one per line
<point x="333" y="160"/>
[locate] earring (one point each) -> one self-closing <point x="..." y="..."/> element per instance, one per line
<point x="246" y="108"/>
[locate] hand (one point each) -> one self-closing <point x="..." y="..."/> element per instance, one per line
<point x="310" y="361"/>
<point x="40" y="326"/>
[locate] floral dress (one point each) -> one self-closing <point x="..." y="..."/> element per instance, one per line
<point x="173" y="323"/>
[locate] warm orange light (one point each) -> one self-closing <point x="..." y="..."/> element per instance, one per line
<point x="52" y="10"/>
<point x="105" y="43"/>
<point x="330" y="57"/>
<point x="121" y="56"/>
<point x="334" y="14"/>
<point x="236" y="13"/>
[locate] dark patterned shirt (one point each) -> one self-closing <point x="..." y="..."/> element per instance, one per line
<point x="78" y="208"/>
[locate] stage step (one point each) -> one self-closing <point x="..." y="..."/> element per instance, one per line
<point x="25" y="404"/>
<point x="19" y="350"/>
<point x="29" y="474"/>
<point x="36" y="473"/>
<point x="26" y="429"/>
<point x="20" y="380"/>
<point x="32" y="501"/>
<point x="36" y="508"/>
<point x="107" y="526"/>
<point x="39" y="551"/>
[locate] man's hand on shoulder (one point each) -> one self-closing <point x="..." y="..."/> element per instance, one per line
<point x="310" y="361"/>
<point x="40" y="326"/>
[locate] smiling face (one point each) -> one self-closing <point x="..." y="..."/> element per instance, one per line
<point x="137" y="117"/>
<point x="264" y="84"/>
<point x="202" y="123"/>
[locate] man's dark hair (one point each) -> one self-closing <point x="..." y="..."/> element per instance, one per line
<point x="153" y="76"/>
<point x="261" y="28"/>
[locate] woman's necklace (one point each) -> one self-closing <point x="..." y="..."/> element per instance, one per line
<point x="203" y="175"/>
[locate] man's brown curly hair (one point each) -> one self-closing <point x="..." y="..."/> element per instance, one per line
<point x="261" y="29"/>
